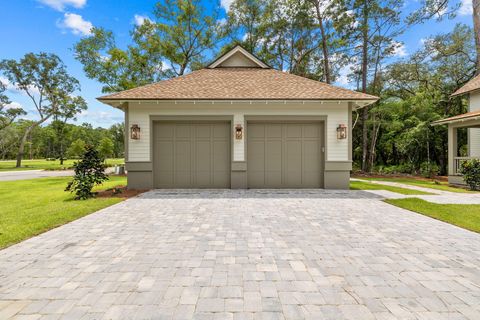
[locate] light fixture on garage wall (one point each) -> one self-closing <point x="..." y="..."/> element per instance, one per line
<point x="341" y="131"/>
<point x="135" y="132"/>
<point x="238" y="132"/>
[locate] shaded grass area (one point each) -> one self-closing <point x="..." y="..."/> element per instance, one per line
<point x="438" y="185"/>
<point x="466" y="216"/>
<point x="43" y="164"/>
<point x="361" y="185"/>
<point x="30" y="207"/>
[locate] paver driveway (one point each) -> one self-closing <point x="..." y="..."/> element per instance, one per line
<point x="245" y="255"/>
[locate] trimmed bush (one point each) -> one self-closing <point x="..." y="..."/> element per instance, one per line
<point x="471" y="173"/>
<point x="429" y="170"/>
<point x="89" y="171"/>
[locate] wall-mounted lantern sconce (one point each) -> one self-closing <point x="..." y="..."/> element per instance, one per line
<point x="341" y="131"/>
<point x="238" y="132"/>
<point x="135" y="132"/>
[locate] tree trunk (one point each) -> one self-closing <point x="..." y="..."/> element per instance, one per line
<point x="21" y="148"/>
<point x="373" y="146"/>
<point x="326" y="58"/>
<point x="476" y="29"/>
<point x="364" y="85"/>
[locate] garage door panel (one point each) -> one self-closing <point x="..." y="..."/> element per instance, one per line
<point x="273" y="178"/>
<point x="273" y="131"/>
<point x="166" y="131"/>
<point x="293" y="130"/>
<point x="192" y="155"/>
<point x="203" y="155"/>
<point x="258" y="149"/>
<point x="311" y="131"/>
<point x="273" y="155"/>
<point x="284" y="155"/>
<point x="203" y="131"/>
<point x="182" y="131"/>
<point x="255" y="131"/>
<point x="221" y="159"/>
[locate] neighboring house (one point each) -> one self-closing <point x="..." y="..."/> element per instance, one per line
<point x="470" y="120"/>
<point x="238" y="124"/>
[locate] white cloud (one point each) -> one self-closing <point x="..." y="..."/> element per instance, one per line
<point x="60" y="5"/>
<point x="222" y="21"/>
<point x="13" y="105"/>
<point x="14" y="89"/>
<point x="342" y="78"/>
<point x="400" y="50"/>
<point x="466" y="8"/>
<point x="101" y="118"/>
<point x="139" y="19"/>
<point x="226" y="4"/>
<point x="8" y="85"/>
<point x="76" y="24"/>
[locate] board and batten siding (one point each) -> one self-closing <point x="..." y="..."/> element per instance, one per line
<point x="336" y="113"/>
<point x="474" y="133"/>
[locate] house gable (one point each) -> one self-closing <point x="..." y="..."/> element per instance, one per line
<point x="238" y="58"/>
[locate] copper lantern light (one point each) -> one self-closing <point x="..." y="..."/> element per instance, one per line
<point x="238" y="132"/>
<point x="341" y="132"/>
<point x="135" y="132"/>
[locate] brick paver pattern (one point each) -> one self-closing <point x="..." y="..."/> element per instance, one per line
<point x="245" y="255"/>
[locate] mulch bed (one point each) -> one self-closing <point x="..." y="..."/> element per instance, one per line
<point x="409" y="176"/>
<point x="119" y="192"/>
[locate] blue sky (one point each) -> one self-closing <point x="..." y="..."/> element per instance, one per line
<point x="56" y="25"/>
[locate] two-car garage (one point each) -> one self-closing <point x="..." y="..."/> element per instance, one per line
<point x="238" y="123"/>
<point x="197" y="154"/>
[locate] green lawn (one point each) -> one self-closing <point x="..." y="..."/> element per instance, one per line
<point x="422" y="183"/>
<point x="30" y="207"/>
<point x="9" y="165"/>
<point x="463" y="215"/>
<point x="360" y="185"/>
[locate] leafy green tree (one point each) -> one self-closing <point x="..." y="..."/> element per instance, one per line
<point x="117" y="132"/>
<point x="105" y="148"/>
<point x="186" y="32"/>
<point x="117" y="69"/>
<point x="476" y="29"/>
<point x="76" y="149"/>
<point x="72" y="106"/>
<point x="7" y="115"/>
<point x="247" y="16"/>
<point x="44" y="79"/>
<point x="179" y="37"/>
<point x="89" y="171"/>
<point x="417" y="93"/>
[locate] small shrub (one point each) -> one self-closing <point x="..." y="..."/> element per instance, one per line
<point x="89" y="171"/>
<point x="429" y="170"/>
<point x="471" y="173"/>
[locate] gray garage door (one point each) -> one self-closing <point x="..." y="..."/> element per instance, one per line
<point x="285" y="155"/>
<point x="191" y="155"/>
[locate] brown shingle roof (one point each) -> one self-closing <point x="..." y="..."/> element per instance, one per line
<point x="460" y="117"/>
<point x="470" y="86"/>
<point x="238" y="84"/>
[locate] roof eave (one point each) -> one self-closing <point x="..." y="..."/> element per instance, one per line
<point x="364" y="101"/>
<point x="449" y="121"/>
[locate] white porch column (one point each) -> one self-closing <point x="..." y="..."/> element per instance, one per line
<point x="452" y="149"/>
